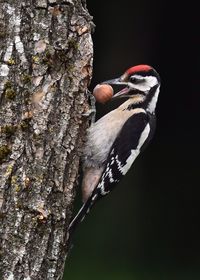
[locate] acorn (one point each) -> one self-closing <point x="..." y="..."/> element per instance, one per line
<point x="103" y="93"/>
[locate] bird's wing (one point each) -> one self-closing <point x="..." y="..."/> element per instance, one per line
<point x="124" y="150"/>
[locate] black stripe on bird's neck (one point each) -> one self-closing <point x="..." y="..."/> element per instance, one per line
<point x="144" y="102"/>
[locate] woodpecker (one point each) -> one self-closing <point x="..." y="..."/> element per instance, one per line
<point x="115" y="140"/>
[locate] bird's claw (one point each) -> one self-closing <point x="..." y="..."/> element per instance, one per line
<point x="91" y="113"/>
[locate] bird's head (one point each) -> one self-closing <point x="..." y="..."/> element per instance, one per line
<point x="140" y="79"/>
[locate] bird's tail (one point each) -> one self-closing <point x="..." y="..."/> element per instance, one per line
<point x="85" y="209"/>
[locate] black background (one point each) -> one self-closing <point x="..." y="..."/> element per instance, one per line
<point x="148" y="228"/>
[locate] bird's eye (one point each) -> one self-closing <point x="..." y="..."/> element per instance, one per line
<point x="136" y="80"/>
<point x="133" y="79"/>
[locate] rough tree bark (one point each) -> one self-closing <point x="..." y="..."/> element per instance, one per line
<point x="45" y="67"/>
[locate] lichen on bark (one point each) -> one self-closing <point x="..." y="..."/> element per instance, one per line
<point x="45" y="67"/>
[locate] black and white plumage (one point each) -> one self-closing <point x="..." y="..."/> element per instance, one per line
<point x="115" y="140"/>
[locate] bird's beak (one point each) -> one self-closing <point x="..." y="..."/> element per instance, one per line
<point x="118" y="82"/>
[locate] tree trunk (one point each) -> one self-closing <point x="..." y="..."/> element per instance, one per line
<point x="46" y="63"/>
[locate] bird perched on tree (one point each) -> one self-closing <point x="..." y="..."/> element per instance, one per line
<point x="116" y="139"/>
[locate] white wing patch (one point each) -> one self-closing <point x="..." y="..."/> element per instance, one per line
<point x="124" y="168"/>
<point x="134" y="153"/>
<point x="144" y="136"/>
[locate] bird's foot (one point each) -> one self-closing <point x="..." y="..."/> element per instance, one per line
<point x="91" y="113"/>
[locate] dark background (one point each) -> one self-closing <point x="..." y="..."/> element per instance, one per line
<point x="148" y="228"/>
